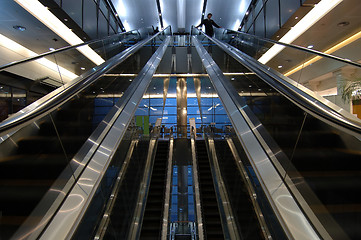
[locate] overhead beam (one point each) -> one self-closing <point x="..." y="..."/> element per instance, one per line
<point x="160" y="14"/>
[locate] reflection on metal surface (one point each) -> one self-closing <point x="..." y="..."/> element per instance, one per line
<point x="76" y="202"/>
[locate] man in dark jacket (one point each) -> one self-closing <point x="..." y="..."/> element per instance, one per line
<point x="208" y="24"/>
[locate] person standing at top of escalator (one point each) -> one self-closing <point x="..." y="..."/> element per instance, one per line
<point x="208" y="24"/>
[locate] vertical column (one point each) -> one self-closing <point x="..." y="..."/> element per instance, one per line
<point x="182" y="107"/>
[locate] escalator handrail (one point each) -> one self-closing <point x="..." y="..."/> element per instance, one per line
<point x="95" y="161"/>
<point x="265" y="170"/>
<point x="304" y="49"/>
<point x="29" y="59"/>
<point x="61" y="95"/>
<point x="301" y="96"/>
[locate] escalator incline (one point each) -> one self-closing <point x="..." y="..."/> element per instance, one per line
<point x="152" y="220"/>
<point x="211" y="216"/>
<point x="243" y="209"/>
<point x="122" y="212"/>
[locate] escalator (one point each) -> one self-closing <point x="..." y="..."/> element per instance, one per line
<point x="122" y="211"/>
<point x="42" y="161"/>
<point x="242" y="206"/>
<point x="275" y="136"/>
<point x="323" y="157"/>
<point x="211" y="216"/>
<point x="153" y="214"/>
<point x="317" y="155"/>
<point x="38" y="161"/>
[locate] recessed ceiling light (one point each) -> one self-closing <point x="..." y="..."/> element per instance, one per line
<point x="343" y="24"/>
<point x="310" y="46"/>
<point x="232" y="79"/>
<point x="20" y="28"/>
<point x="296" y="17"/>
<point x="82" y="68"/>
<point x="52" y="49"/>
<point x="16" y="47"/>
<point x="328" y="51"/>
<point x="320" y="10"/>
<point x="51" y="21"/>
<point x="280" y="66"/>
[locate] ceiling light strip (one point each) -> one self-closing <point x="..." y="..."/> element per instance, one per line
<point x="320" y="10"/>
<point x="23" y="51"/>
<point x="51" y="21"/>
<point x="328" y="51"/>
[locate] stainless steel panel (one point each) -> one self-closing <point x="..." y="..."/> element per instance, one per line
<point x="196" y="190"/>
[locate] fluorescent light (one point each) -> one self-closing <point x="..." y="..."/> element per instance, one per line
<point x="48" y="19"/>
<point x="23" y="51"/>
<point x="121" y="9"/>
<point x="328" y="51"/>
<point x="236" y="25"/>
<point x="320" y="10"/>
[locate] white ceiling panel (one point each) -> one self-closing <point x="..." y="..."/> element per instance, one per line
<point x="227" y="13"/>
<point x="193" y="13"/>
<point x="136" y="14"/>
<point x="169" y="13"/>
<point x="180" y="13"/>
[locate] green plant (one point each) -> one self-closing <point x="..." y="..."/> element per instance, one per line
<point x="351" y="89"/>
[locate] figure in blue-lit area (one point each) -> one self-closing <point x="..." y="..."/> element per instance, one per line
<point x="208" y="24"/>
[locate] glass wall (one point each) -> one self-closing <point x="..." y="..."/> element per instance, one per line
<point x="14" y="99"/>
<point x="266" y="17"/>
<point x="96" y="18"/>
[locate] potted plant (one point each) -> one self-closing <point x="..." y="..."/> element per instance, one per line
<point x="351" y="89"/>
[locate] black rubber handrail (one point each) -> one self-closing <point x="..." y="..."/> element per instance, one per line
<point x="61" y="50"/>
<point x="42" y="107"/>
<point x="308" y="50"/>
<point x="310" y="104"/>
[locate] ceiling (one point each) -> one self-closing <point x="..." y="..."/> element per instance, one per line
<point x="339" y="24"/>
<point x="180" y="14"/>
